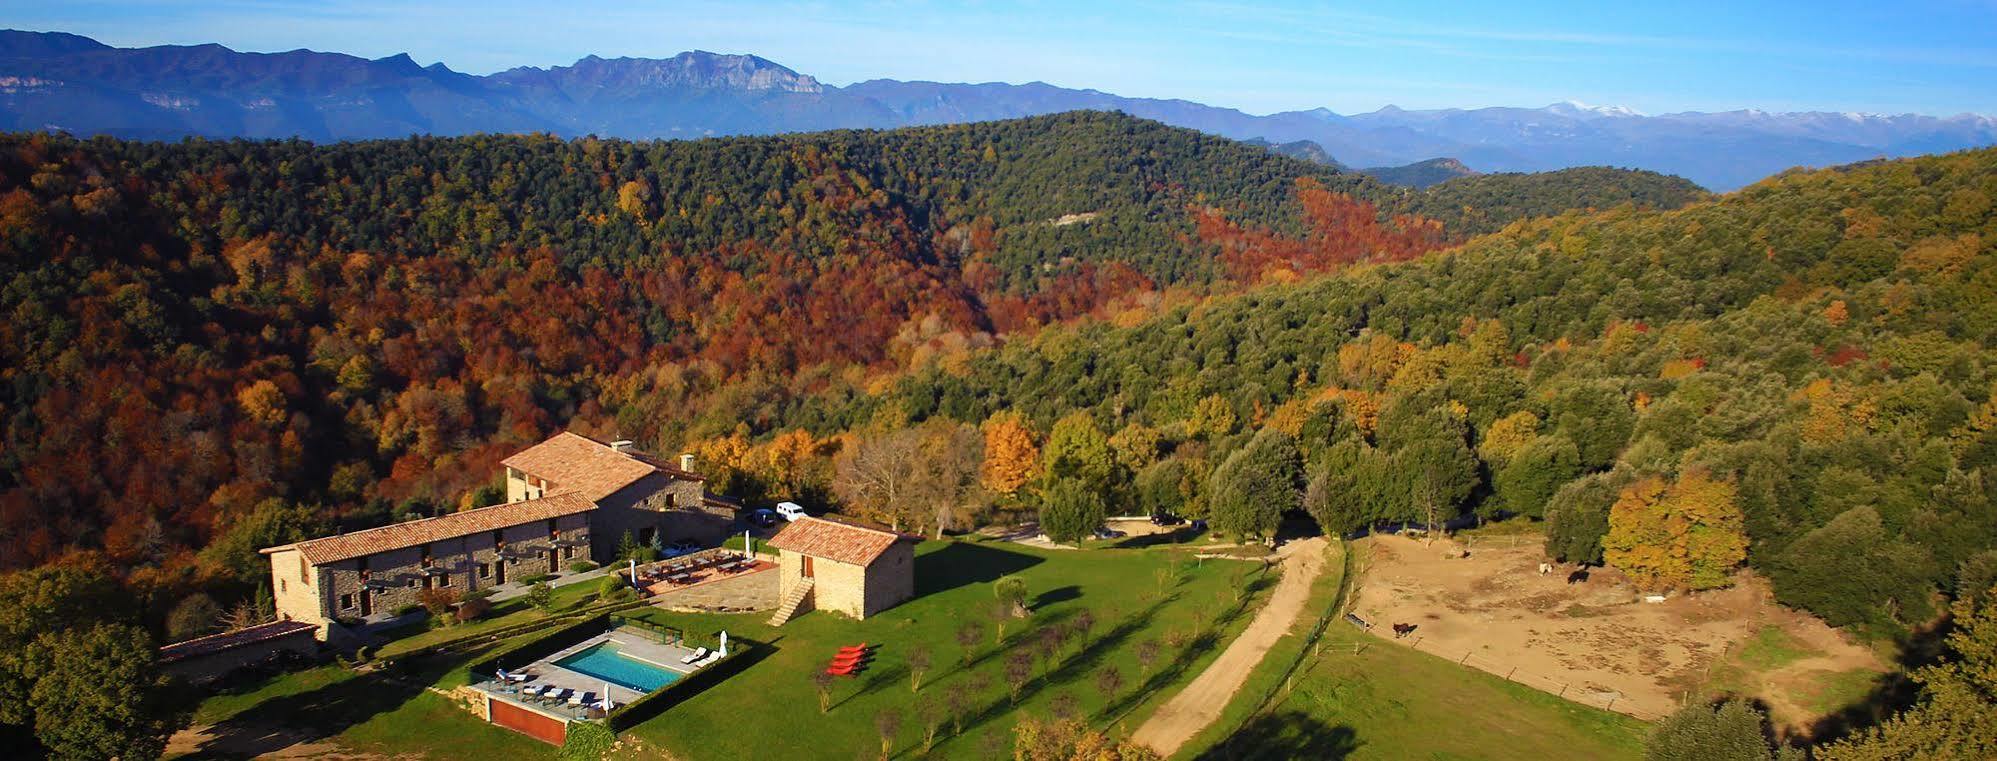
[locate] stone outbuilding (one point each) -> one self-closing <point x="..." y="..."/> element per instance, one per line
<point x="841" y="567"/>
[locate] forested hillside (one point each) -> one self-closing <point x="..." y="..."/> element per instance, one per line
<point x="1797" y="376"/>
<point x="201" y="335"/>
<point x="1482" y="203"/>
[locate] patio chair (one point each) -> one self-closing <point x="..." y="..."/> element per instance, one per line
<point x="698" y="654"/>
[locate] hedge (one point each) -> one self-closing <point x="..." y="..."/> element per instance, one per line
<point x="742" y="653"/>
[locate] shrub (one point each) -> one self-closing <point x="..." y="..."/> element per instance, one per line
<point x="581" y="566"/>
<point x="609" y="586"/>
<point x="408" y="609"/>
<point x="473" y="608"/>
<point x="438" y="601"/>
<point x="541" y="596"/>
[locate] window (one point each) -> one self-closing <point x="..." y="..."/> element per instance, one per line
<point x="346" y="602"/>
<point x="568" y="553"/>
<point x="484" y="571"/>
<point x="280" y="585"/>
<point x="412" y="583"/>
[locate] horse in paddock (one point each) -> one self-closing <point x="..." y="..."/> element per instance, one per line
<point x="1402" y="630"/>
<point x="1578" y="576"/>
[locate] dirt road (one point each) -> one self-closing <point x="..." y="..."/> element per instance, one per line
<point x="1196" y="707"/>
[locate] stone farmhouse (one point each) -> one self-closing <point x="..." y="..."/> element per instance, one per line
<point x="841" y="567"/>
<point x="570" y="498"/>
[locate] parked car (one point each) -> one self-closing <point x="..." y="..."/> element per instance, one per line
<point x="762" y="517"/>
<point x="1166" y="519"/>
<point x="1105" y="532"/>
<point x="1199" y="525"/>
<point x="791" y="510"/>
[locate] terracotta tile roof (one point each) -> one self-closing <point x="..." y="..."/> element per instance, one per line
<point x="842" y="542"/>
<point x="215" y="643"/>
<point x="413" y="533"/>
<point x="573" y="462"/>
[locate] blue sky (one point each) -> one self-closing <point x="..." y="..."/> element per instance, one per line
<point x="1936" y="57"/>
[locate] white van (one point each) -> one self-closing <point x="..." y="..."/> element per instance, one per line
<point x="791" y="510"/>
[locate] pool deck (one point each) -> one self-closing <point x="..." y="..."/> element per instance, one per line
<point x="544" y="672"/>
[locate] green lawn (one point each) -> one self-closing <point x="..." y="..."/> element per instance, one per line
<point x="771" y="709"/>
<point x="502" y="615"/>
<point x="367" y="713"/>
<point x="1391" y="702"/>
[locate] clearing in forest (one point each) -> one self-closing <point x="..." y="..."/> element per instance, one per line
<point x="1596" y="641"/>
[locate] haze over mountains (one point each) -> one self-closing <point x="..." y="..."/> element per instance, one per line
<point x="57" y="81"/>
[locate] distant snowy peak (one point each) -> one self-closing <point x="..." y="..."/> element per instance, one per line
<point x="1579" y="110"/>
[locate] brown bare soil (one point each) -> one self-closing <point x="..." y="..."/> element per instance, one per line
<point x="1596" y="642"/>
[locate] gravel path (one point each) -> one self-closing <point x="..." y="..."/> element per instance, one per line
<point x="1196" y="707"/>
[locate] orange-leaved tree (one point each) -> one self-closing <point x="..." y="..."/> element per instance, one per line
<point x="1011" y="458"/>
<point x="1686" y="534"/>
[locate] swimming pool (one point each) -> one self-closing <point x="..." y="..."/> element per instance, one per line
<point x="602" y="661"/>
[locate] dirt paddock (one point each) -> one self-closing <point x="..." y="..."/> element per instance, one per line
<point x="1596" y="641"/>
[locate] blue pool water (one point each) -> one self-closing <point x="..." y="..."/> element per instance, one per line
<point x="602" y="661"/>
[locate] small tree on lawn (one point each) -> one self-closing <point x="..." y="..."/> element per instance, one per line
<point x="1164" y="578"/>
<point x="1084" y="622"/>
<point x="1018" y="669"/>
<point x="1108" y="681"/>
<point x="1011" y="591"/>
<point x="968" y="636"/>
<point x="1051" y="637"/>
<point x="956" y="698"/>
<point x="823" y="681"/>
<point x="1147" y="654"/>
<point x="1065" y="706"/>
<point x="541" y="596"/>
<point x="918" y="665"/>
<point x="888" y="723"/>
<point x="930" y="715"/>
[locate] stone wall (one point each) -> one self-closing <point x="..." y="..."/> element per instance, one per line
<point x="474" y="563"/>
<point x="670" y="508"/>
<point x="211" y="666"/>
<point x="891" y="579"/>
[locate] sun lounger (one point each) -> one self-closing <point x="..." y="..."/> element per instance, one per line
<point x="697" y="655"/>
<point x="558" y="694"/>
<point x="711" y="657"/>
<point x="532" y="690"/>
<point x="581" y="698"/>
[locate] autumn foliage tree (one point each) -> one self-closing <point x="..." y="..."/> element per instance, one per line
<point x="1011" y="460"/>
<point x="1683" y="534"/>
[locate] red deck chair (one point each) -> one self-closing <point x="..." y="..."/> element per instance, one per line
<point x="850" y="669"/>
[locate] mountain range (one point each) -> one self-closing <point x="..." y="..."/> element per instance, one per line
<point x="66" y="82"/>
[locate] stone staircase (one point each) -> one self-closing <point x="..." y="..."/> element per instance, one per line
<point x="798" y="601"/>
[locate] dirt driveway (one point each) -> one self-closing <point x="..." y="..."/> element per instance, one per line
<point x="1594" y="641"/>
<point x="1200" y="703"/>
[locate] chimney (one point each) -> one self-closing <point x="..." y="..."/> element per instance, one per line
<point x="620" y="445"/>
<point x="686" y="462"/>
